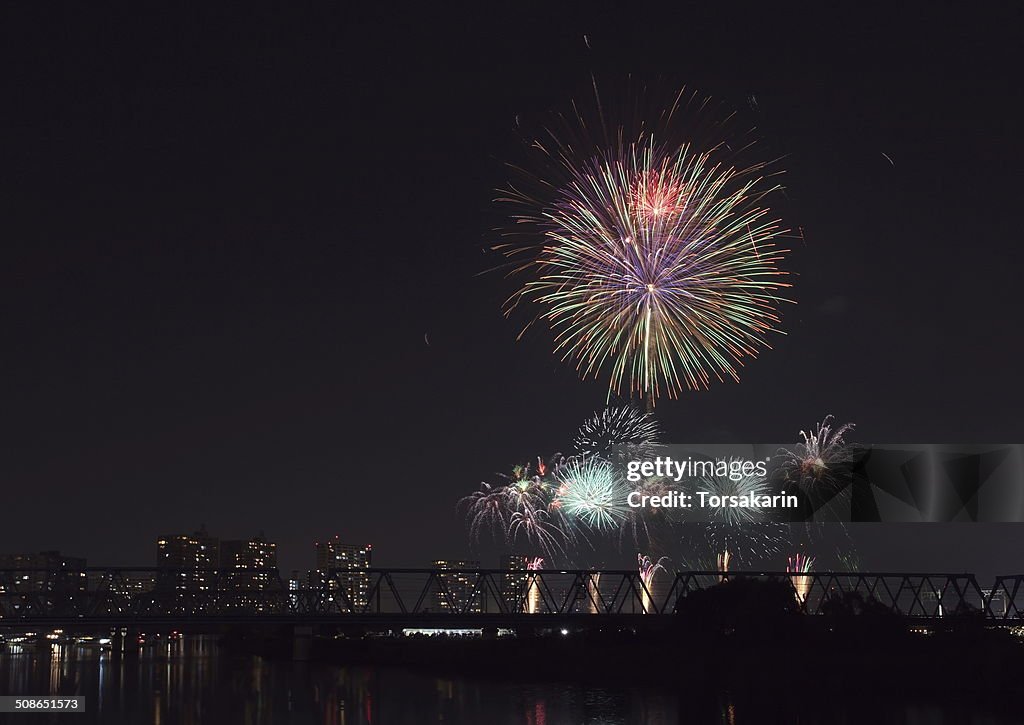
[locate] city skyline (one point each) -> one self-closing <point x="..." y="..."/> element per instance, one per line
<point x="202" y="549"/>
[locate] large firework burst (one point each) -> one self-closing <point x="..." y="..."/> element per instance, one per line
<point x="654" y="262"/>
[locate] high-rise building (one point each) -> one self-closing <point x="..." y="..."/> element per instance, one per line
<point x="513" y="585"/>
<point x="455" y="591"/>
<point x="128" y="584"/>
<point x="513" y="562"/>
<point x="255" y="555"/>
<point x="296" y="583"/>
<point x="338" y="570"/>
<point x="249" y="566"/>
<point x="187" y="561"/>
<point x="47" y="571"/>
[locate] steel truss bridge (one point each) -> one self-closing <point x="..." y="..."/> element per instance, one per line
<point x="411" y="598"/>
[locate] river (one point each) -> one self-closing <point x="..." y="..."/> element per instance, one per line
<point x="190" y="682"/>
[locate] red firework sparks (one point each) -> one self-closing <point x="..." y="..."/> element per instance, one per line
<point x="657" y="195"/>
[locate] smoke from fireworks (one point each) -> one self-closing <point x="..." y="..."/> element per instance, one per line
<point x="654" y="262"/>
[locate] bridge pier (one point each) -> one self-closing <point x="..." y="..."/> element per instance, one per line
<point x="43" y="647"/>
<point x="124" y="642"/>
<point x="302" y="643"/>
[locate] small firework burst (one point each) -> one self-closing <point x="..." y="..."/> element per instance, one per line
<point x="618" y="433"/>
<point x="640" y="519"/>
<point x="594" y="592"/>
<point x="742" y="532"/>
<point x="536" y="528"/>
<point x="821" y="457"/>
<point x="487" y="510"/>
<point x="800" y="564"/>
<point x="735" y="484"/>
<point x="533" y="596"/>
<point x="656" y="195"/>
<point x="648" y="569"/>
<point x="515" y="510"/>
<point x="848" y="560"/>
<point x="525" y="494"/>
<point x="591" y="493"/>
<point x="820" y="468"/>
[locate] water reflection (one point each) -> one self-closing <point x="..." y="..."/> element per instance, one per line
<point x="190" y="682"/>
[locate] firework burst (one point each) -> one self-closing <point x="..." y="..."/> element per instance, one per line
<point x="536" y="527"/>
<point x="594" y="592"/>
<point x="516" y="510"/>
<point x="618" y="433"/>
<point x="821" y="455"/>
<point x="849" y="560"/>
<point x="800" y="564"/>
<point x="657" y="195"/>
<point x="487" y="510"/>
<point x="533" y="596"/>
<point x="648" y="569"/>
<point x="742" y="533"/>
<point x="655" y="263"/>
<point x="590" y="493"/>
<point x="641" y="519"/>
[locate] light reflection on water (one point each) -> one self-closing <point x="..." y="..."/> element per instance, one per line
<point x="189" y="683"/>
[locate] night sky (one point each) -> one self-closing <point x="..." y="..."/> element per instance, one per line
<point x="228" y="236"/>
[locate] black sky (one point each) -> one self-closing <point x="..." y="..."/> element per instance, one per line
<point x="225" y="233"/>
